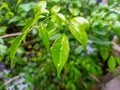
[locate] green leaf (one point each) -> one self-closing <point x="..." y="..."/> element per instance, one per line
<point x="14" y="46"/>
<point x="79" y="49"/>
<point x="117" y="60"/>
<point x="20" y="38"/>
<point x="92" y="2"/>
<point x="77" y="27"/>
<point x="93" y="70"/>
<point x="14" y="19"/>
<point x="104" y="53"/>
<point x="60" y="52"/>
<point x="3" y="29"/>
<point x="40" y="7"/>
<point x="74" y="11"/>
<point x="55" y="9"/>
<point x="111" y="63"/>
<point x="3" y="51"/>
<point x="62" y="17"/>
<point x="100" y="41"/>
<point x="44" y="35"/>
<point x="18" y="2"/>
<point x="59" y="19"/>
<point x="30" y="25"/>
<point x="116" y="28"/>
<point x="54" y="31"/>
<point x="112" y="16"/>
<point x="52" y="28"/>
<point x="25" y="7"/>
<point x="80" y="35"/>
<point x="80" y="22"/>
<point x="6" y="7"/>
<point x="103" y="32"/>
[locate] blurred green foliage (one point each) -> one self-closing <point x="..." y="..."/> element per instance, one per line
<point x="35" y="61"/>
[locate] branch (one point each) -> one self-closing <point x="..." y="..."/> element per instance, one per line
<point x="12" y="79"/>
<point x="15" y="34"/>
<point x="10" y="35"/>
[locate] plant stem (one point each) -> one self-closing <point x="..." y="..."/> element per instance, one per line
<point x="10" y="35"/>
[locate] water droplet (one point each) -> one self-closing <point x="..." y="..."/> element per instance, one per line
<point x="58" y="64"/>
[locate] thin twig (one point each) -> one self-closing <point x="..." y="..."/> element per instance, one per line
<point x="10" y="35"/>
<point x="95" y="78"/>
<point x="9" y="81"/>
<point x="14" y="78"/>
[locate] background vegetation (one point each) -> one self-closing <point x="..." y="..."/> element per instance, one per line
<point x="41" y="25"/>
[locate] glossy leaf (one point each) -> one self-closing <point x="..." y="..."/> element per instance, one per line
<point x="54" y="31"/>
<point x="40" y="7"/>
<point x="52" y="28"/>
<point x="21" y="38"/>
<point x="111" y="63"/>
<point x="55" y="9"/>
<point x="80" y="22"/>
<point x="15" y="45"/>
<point x="77" y="27"/>
<point x="62" y="17"/>
<point x="59" y="19"/>
<point x="44" y="35"/>
<point x="80" y="35"/>
<point x="74" y="11"/>
<point x="60" y="52"/>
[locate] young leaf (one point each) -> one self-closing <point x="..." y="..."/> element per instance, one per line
<point x="18" y="2"/>
<point x="62" y="17"/>
<point x="74" y="11"/>
<point x="44" y="35"/>
<point x="80" y="23"/>
<point x="104" y="53"/>
<point x="111" y="63"/>
<point x="77" y="27"/>
<point x="55" y="9"/>
<point x="30" y="25"/>
<point x="40" y="7"/>
<point x="14" y="46"/>
<point x="53" y="32"/>
<point x="59" y="19"/>
<point x="81" y="36"/>
<point x="60" y="52"/>
<point x="52" y="28"/>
